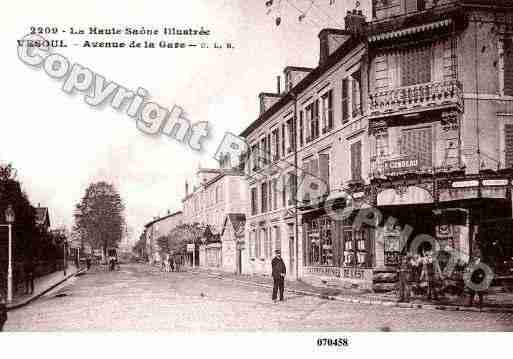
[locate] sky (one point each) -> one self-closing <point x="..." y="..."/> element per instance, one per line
<point x="59" y="144"/>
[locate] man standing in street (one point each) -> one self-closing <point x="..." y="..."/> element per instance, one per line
<point x="278" y="273"/>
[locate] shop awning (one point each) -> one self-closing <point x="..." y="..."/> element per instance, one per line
<point x="410" y="31"/>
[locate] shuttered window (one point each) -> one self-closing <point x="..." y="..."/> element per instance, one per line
<point x="417" y="143"/>
<point x="264" y="197"/>
<point x="324" y="168"/>
<point x="254" y="203"/>
<point x="356" y="161"/>
<point x="345" y="100"/>
<point x="508" y="134"/>
<point x="306" y="169"/>
<point x="416" y="66"/>
<point x="315" y="120"/>
<point x="411" y="5"/>
<point x="508" y="67"/>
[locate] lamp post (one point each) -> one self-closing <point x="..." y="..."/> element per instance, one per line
<point x="9" y="218"/>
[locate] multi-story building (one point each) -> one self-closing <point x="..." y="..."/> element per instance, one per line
<point x="408" y="117"/>
<point x="306" y="144"/>
<point x="218" y="193"/>
<point x="157" y="228"/>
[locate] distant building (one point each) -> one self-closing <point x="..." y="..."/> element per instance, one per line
<point x="157" y="228"/>
<point x="218" y="193"/>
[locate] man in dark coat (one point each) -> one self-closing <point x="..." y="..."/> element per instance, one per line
<point x="278" y="273"/>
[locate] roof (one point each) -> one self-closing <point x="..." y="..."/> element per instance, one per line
<point x="42" y="216"/>
<point x="312" y="76"/>
<point x="238" y="221"/>
<point x="221" y="173"/>
<point x="162" y="218"/>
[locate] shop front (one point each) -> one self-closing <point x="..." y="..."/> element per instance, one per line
<point x="335" y="252"/>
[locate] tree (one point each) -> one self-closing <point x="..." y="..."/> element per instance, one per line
<point x="99" y="217"/>
<point x="176" y="241"/>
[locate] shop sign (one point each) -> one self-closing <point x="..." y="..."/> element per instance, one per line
<point x="463" y="184"/>
<point x="495" y="182"/>
<point x="190" y="247"/>
<point x="354" y="273"/>
<point x="401" y="165"/>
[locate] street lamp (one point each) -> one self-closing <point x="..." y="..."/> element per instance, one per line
<point x="9" y="218"/>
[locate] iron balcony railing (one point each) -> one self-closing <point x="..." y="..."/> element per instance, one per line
<point x="410" y="97"/>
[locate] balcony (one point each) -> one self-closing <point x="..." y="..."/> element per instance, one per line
<point x="412" y="98"/>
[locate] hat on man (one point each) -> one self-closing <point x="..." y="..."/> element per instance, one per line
<point x="277" y="251"/>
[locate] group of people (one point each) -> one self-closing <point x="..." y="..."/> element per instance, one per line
<point x="422" y="274"/>
<point x="170" y="265"/>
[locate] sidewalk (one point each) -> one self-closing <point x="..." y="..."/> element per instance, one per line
<point x="43" y="285"/>
<point x="496" y="302"/>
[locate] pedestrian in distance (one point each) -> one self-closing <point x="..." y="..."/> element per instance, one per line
<point x="278" y="272"/>
<point x="432" y="274"/>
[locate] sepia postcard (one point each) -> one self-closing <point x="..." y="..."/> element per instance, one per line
<point x="303" y="175"/>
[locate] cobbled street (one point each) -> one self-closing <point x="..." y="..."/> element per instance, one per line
<point x="138" y="297"/>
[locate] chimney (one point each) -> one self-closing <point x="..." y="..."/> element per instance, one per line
<point x="355" y="22"/>
<point x="267" y="100"/>
<point x="329" y="41"/>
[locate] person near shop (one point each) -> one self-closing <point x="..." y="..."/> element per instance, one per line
<point x="29" y="276"/>
<point x="431" y="274"/>
<point x="404" y="274"/>
<point x="278" y="273"/>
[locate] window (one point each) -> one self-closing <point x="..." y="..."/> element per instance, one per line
<point x="508" y="134"/>
<point x="254" y="201"/>
<point x="416" y="66"/>
<point x="308" y="122"/>
<point x="283" y="140"/>
<point x="314" y="124"/>
<point x="417" y="144"/>
<point x="252" y="244"/>
<point x="270" y="198"/>
<point x="507" y="60"/>
<point x="301" y="139"/>
<point x="284" y="192"/>
<point x="277" y="238"/>
<point x="345" y="100"/>
<point x="276" y="141"/>
<point x="356" y="161"/>
<point x="290" y="134"/>
<point x="264" y="197"/>
<point x="265" y="239"/>
<point x="327" y="111"/>
<point x="275" y="193"/>
<point x="292" y="183"/>
<point x="258" y="244"/>
<point x="324" y="169"/>
<point x="319" y="241"/>
<point x="356" y="244"/>
<point x="382" y="145"/>
<point x="356" y="96"/>
<point x="255" y="157"/>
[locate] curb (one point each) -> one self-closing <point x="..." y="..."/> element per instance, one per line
<point x="385" y="303"/>
<point x="39" y="295"/>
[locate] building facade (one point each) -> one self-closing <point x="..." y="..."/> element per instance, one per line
<point x="404" y="129"/>
<point x="219" y="192"/>
<point x="157" y="228"/>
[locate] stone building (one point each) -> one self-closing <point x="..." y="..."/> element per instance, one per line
<point x="404" y="129"/>
<point x="218" y="193"/>
<point x="157" y="228"/>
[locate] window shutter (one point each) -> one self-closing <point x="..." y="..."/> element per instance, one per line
<point x="508" y="134"/>
<point x="307" y="174"/>
<point x="345" y="96"/>
<point x="324" y="168"/>
<point x="417" y="143"/>
<point x="356" y="161"/>
<point x="283" y="140"/>
<point x="301" y="128"/>
<point x="508" y="67"/>
<point x="330" y="109"/>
